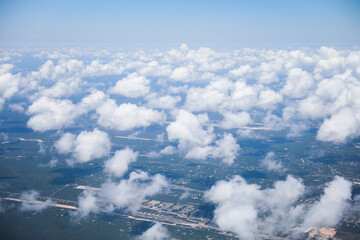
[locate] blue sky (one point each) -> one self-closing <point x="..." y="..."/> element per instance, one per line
<point x="221" y="23"/>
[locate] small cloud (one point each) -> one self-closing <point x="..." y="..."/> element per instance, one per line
<point x="156" y="232"/>
<point x="30" y="202"/>
<point x="271" y="164"/>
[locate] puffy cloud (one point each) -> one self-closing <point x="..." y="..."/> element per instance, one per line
<point x="127" y="194"/>
<point x="9" y="83"/>
<point x="130" y="193"/>
<point x="162" y="102"/>
<point x="226" y="149"/>
<point x="339" y="127"/>
<point x="119" y="163"/>
<point x="91" y="102"/>
<point x="51" y="114"/>
<point x="133" y="85"/>
<point x="88" y="203"/>
<point x="330" y="62"/>
<point x="91" y="145"/>
<point x="155" y="232"/>
<point x="86" y="146"/>
<point x="97" y="68"/>
<point x="153" y="68"/>
<point x="297" y="83"/>
<point x="243" y="96"/>
<point x="329" y="210"/>
<point x="235" y="120"/>
<point x="271" y="164"/>
<point x="180" y="74"/>
<point x="268" y="99"/>
<point x="30" y="202"/>
<point x="211" y="98"/>
<point x="188" y="130"/>
<point x="65" y="144"/>
<point x="127" y="116"/>
<point x="64" y="68"/>
<point x="195" y="140"/>
<point x="248" y="210"/>
<point x="241" y="71"/>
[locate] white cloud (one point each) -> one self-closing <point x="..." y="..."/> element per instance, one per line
<point x="243" y="96"/>
<point x="195" y="140"/>
<point x="268" y="99"/>
<point x="271" y="164"/>
<point x="127" y="116"/>
<point x="188" y="130"/>
<point x="9" y="83"/>
<point x="119" y="163"/>
<point x="162" y="102"/>
<point x="97" y="68"/>
<point x="133" y="85"/>
<point x="88" y="203"/>
<point x="329" y="210"/>
<point x="84" y="147"/>
<point x="213" y="97"/>
<point x="180" y="74"/>
<point x="127" y="194"/>
<point x="297" y="83"/>
<point x="30" y="202"/>
<point x="66" y="143"/>
<point x="64" y="68"/>
<point x="155" y="232"/>
<point x="91" y="102"/>
<point x="235" y="120"/>
<point x="51" y="114"/>
<point x="226" y="149"/>
<point x="241" y="71"/>
<point x="91" y="145"/>
<point x="154" y="69"/>
<point x="248" y="210"/>
<point x="130" y="193"/>
<point x="340" y="127"/>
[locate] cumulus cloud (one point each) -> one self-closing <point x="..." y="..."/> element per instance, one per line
<point x="329" y="210"/>
<point x="65" y="144"/>
<point x="127" y="116"/>
<point x="226" y="149"/>
<point x="155" y="232"/>
<point x="339" y="127"/>
<point x="162" y="102"/>
<point x="64" y="68"/>
<point x="86" y="146"/>
<point x="119" y="163"/>
<point x="127" y="194"/>
<point x="268" y="99"/>
<point x="133" y="85"/>
<point x="188" y="129"/>
<point x="91" y="145"/>
<point x="87" y="203"/>
<point x="30" y="202"/>
<point x="235" y="120"/>
<point x="195" y="139"/>
<point x="271" y="164"/>
<point x="248" y="210"/>
<point x="297" y="83"/>
<point x="9" y="83"/>
<point x="180" y="74"/>
<point x="50" y="114"/>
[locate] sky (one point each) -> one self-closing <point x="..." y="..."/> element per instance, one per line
<point x="161" y="23"/>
